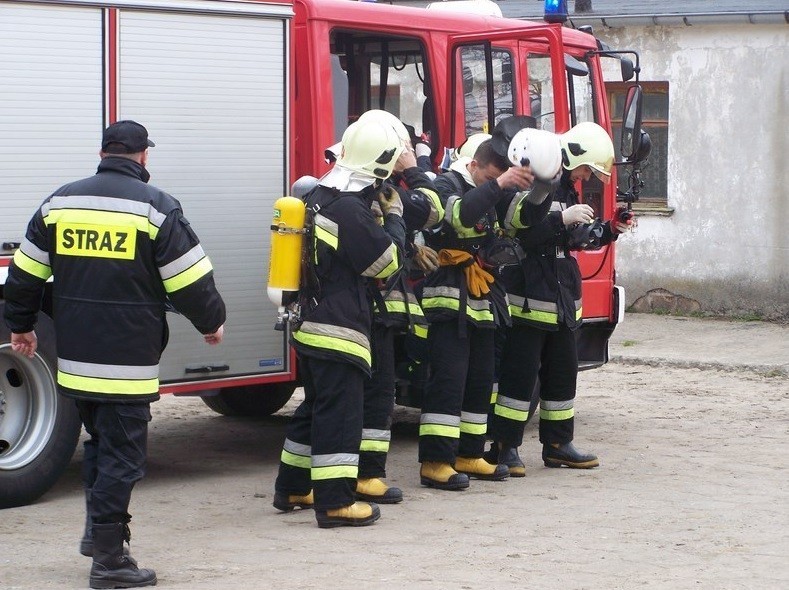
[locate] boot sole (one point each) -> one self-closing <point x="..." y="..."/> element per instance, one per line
<point x="285" y="506"/>
<point x="329" y="522"/>
<point x="485" y="477"/>
<point x="571" y="464"/>
<point x="99" y="584"/>
<point x="379" y="499"/>
<point x="443" y="485"/>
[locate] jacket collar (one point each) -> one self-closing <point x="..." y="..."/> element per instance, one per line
<point x="124" y="166"/>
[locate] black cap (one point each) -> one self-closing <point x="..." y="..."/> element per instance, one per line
<point x="506" y="129"/>
<point x="125" y="137"/>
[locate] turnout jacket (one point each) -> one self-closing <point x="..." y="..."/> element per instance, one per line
<point x="545" y="290"/>
<point x="398" y="306"/>
<point x="469" y="224"/>
<point x="349" y="248"/>
<point x="120" y="252"/>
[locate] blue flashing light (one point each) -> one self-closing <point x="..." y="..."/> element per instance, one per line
<point x="555" y="11"/>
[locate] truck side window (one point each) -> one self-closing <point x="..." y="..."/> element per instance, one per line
<point x="475" y="94"/>
<point x="541" y="90"/>
<point x="381" y="72"/>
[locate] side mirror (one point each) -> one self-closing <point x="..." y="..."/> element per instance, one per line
<point x="631" y="123"/>
<point x="628" y="69"/>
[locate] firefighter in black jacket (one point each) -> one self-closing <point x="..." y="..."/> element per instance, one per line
<point x="320" y="456"/>
<point x="545" y="305"/>
<point x="463" y="304"/>
<point x="118" y="250"/>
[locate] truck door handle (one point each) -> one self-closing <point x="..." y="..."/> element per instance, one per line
<point x="207" y="368"/>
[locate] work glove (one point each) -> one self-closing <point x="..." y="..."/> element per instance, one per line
<point x="376" y="209"/>
<point x="425" y="258"/>
<point x="389" y="201"/>
<point x="422" y="145"/>
<point x="477" y="278"/>
<point x="581" y="213"/>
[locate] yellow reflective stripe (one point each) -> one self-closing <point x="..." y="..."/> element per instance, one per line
<point x="393" y="265"/>
<point x="333" y="343"/>
<point x="545" y="317"/>
<point x="376" y="446"/>
<point x="439" y="430"/>
<point x="517" y="415"/>
<point x="579" y="312"/>
<point x="90" y="216"/>
<point x="401" y="307"/>
<point x="334" y="472"/>
<point x="420" y="331"/>
<point x="556" y="414"/>
<point x="436" y="208"/>
<point x="116" y="386"/>
<point x="325" y="236"/>
<point x="294" y="460"/>
<point x="438" y="302"/>
<point x="33" y="267"/>
<point x="189" y="276"/>
<point x="471" y="428"/>
<point x="494" y="395"/>
<point x="481" y="315"/>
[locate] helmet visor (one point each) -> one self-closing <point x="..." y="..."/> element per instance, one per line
<point x="605" y="177"/>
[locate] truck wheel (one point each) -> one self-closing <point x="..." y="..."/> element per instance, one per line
<point x="39" y="429"/>
<point x="255" y="401"/>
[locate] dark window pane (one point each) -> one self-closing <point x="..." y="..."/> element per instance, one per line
<point x="655" y="107"/>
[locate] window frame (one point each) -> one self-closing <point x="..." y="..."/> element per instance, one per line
<point x="615" y="89"/>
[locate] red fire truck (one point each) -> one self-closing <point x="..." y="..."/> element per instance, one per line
<point x="242" y="97"/>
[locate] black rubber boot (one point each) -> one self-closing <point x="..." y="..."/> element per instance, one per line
<point x="111" y="568"/>
<point x="86" y="544"/>
<point x="499" y="453"/>
<point x="556" y="455"/>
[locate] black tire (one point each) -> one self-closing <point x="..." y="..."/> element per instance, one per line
<point x="39" y="428"/>
<point x="254" y="401"/>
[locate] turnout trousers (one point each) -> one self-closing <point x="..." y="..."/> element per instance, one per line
<point x="321" y="450"/>
<point x="455" y="405"/>
<point x="379" y="400"/>
<point x="115" y="455"/>
<point x="530" y="354"/>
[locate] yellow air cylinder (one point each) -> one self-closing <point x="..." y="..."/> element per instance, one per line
<point x="287" y="234"/>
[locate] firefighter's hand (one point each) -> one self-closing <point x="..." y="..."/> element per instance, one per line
<point x="623" y="220"/>
<point x="389" y="200"/>
<point x="25" y="344"/>
<point x="216" y="337"/>
<point x="376" y="209"/>
<point x="581" y="213"/>
<point x="425" y="258"/>
<point x="407" y="159"/>
<point x="517" y="177"/>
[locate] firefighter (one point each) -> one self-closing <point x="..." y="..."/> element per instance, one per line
<point x="120" y="251"/>
<point x="545" y="305"/>
<point x="463" y="304"/>
<point x="397" y="310"/>
<point x="349" y="248"/>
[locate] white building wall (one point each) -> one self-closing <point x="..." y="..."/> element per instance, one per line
<point x="726" y="244"/>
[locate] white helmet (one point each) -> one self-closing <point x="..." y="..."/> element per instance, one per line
<point x="387" y="118"/>
<point x="468" y="148"/>
<point x="369" y="152"/>
<point x="588" y="144"/>
<point x="541" y="148"/>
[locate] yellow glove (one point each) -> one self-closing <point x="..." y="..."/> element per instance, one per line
<point x="425" y="258"/>
<point x="389" y="200"/>
<point x="477" y="278"/>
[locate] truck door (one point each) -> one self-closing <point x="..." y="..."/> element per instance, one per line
<point x="489" y="78"/>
